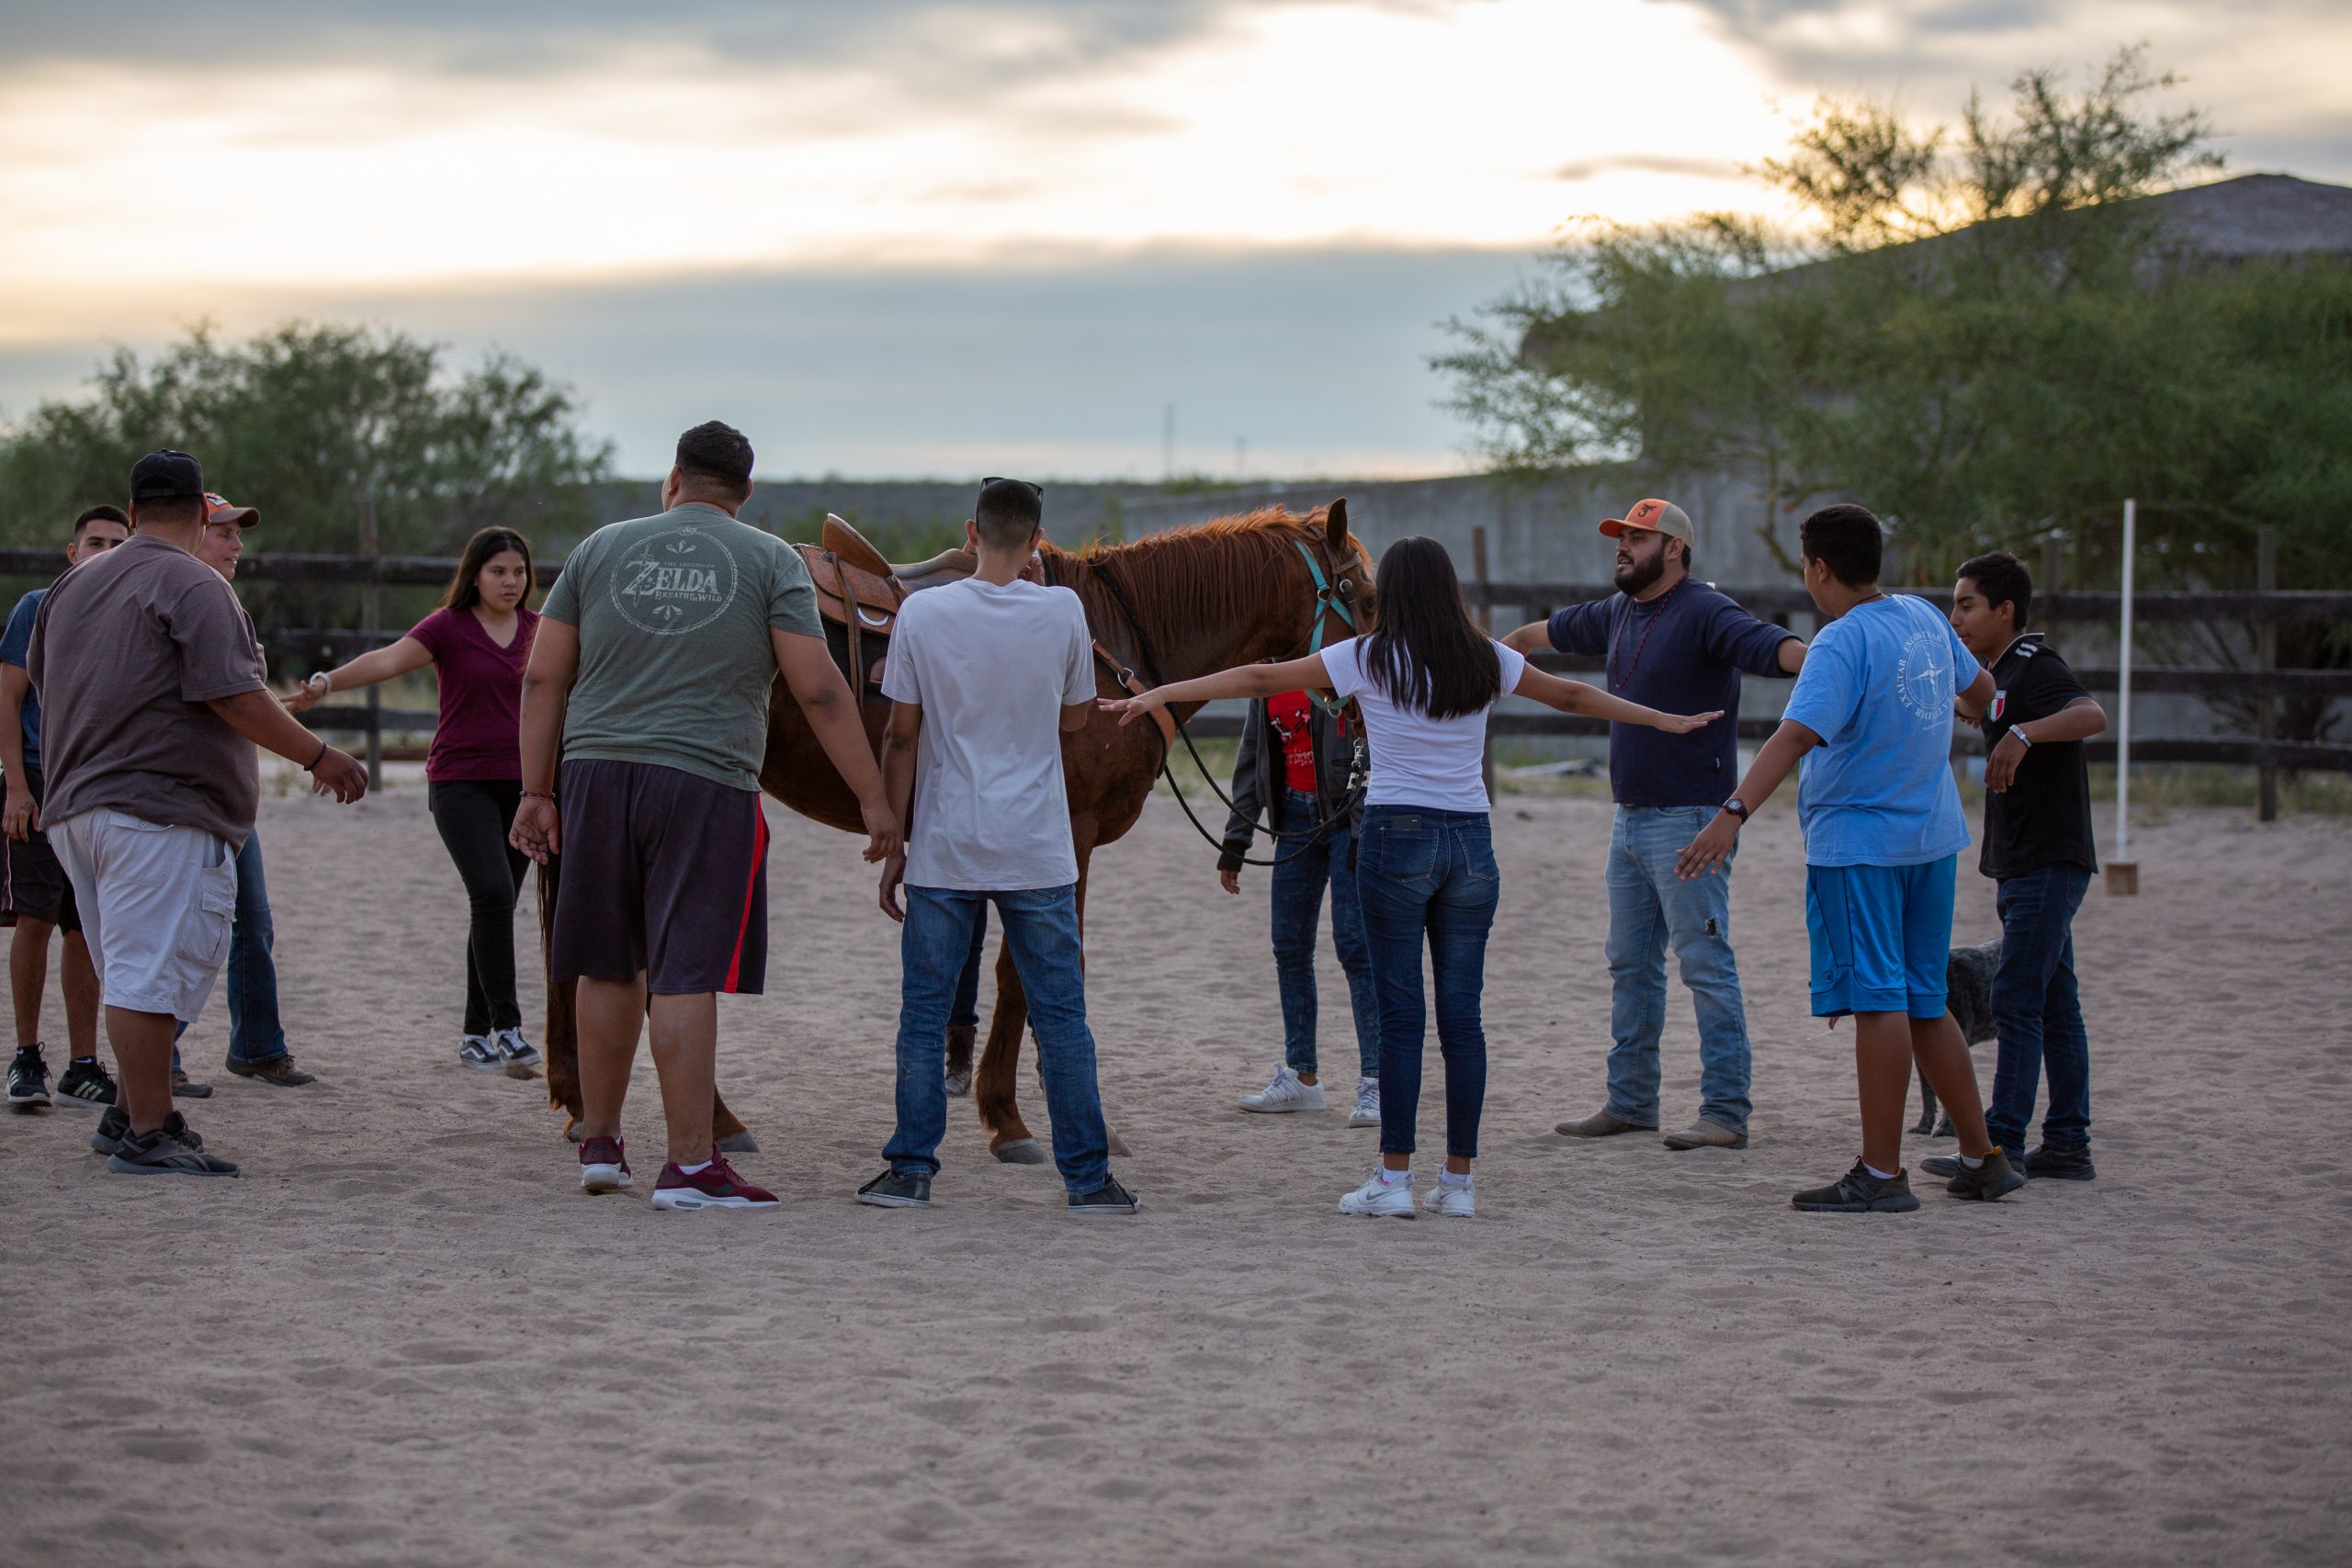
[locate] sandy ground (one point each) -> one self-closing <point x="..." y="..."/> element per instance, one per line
<point x="405" y="1337"/>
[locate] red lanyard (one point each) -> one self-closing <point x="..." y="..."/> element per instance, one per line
<point x="1655" y="618"/>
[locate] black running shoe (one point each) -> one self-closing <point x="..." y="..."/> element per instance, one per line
<point x="85" y="1083"/>
<point x="896" y="1189"/>
<point x="171" y="1149"/>
<point x="1108" y="1199"/>
<point x="28" y="1080"/>
<point x="2046" y="1164"/>
<point x="114" y="1125"/>
<point x="1993" y="1176"/>
<point x="1861" y="1193"/>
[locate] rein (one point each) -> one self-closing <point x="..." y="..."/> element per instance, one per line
<point x="1326" y="603"/>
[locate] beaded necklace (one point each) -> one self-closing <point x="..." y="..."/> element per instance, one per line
<point x="1614" y="680"/>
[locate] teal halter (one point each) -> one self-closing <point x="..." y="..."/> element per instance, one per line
<point x="1328" y="602"/>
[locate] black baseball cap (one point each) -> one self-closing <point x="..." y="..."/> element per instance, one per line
<point x="166" y="476"/>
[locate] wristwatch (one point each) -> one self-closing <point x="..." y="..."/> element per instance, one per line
<point x="1737" y="807"/>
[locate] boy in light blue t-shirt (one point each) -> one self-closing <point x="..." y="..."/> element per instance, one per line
<point x="1883" y="836"/>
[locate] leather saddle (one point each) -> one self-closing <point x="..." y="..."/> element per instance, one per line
<point x="859" y="591"/>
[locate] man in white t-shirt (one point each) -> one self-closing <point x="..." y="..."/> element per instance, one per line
<point x="984" y="678"/>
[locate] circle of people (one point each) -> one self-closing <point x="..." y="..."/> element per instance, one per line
<point x="622" y="725"/>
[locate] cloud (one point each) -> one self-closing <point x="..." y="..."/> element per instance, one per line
<point x="1585" y="169"/>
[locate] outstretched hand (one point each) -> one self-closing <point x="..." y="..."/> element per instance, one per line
<point x="300" y="700"/>
<point x="1684" y="723"/>
<point x="1130" y="709"/>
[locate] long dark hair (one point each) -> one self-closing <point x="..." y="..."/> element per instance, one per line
<point x="465" y="589"/>
<point x="1428" y="653"/>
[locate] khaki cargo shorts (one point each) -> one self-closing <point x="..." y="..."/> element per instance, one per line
<point x="157" y="907"/>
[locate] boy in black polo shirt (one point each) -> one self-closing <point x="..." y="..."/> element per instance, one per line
<point x="2038" y="846"/>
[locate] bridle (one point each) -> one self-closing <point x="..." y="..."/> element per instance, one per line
<point x="1335" y="595"/>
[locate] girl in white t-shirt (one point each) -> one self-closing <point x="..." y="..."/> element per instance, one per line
<point x="1425" y="859"/>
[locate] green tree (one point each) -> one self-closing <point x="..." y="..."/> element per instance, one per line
<point x="307" y="422"/>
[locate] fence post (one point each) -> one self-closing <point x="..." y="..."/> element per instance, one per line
<point x="2122" y="871"/>
<point x="372" y="612"/>
<point x="1486" y="608"/>
<point x="2265" y="659"/>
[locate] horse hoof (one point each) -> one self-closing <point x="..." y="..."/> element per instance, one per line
<point x="1022" y="1151"/>
<point x="570" y="1131"/>
<point x="1118" y="1143"/>
<point x="741" y="1144"/>
<point x="959" y="1082"/>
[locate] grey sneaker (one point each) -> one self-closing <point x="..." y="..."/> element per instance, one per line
<point x="1994" y="1177"/>
<point x="480" y="1052"/>
<point x="1859" y="1192"/>
<point x="171" y="1149"/>
<point x="515" y="1050"/>
<point x="114" y="1125"/>
<point x="896" y="1189"/>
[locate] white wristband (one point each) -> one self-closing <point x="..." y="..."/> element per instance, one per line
<point x="321" y="681"/>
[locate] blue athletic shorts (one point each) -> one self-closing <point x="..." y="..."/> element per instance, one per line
<point x="1882" y="937"/>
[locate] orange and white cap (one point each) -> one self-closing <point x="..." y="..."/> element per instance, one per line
<point x="1660" y="516"/>
<point x="218" y="509"/>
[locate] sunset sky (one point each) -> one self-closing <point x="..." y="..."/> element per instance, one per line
<point x="908" y="238"/>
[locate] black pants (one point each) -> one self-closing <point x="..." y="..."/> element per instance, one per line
<point x="474" y="815"/>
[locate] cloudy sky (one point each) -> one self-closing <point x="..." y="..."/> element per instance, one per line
<point x="922" y="237"/>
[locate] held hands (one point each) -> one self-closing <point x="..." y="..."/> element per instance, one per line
<point x="2001" y="767"/>
<point x="22" y="819"/>
<point x="1684" y="723"/>
<point x="339" y="774"/>
<point x="1710" y="849"/>
<point x="1130" y="709"/>
<point x="894" y="872"/>
<point x="537" y="830"/>
<point x="300" y="700"/>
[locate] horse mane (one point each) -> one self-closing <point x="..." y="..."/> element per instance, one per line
<point x="1203" y="575"/>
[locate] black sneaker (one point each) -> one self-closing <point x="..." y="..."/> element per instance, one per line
<point x="1108" y="1199"/>
<point x="2046" y="1164"/>
<point x="28" y="1080"/>
<point x="171" y="1149"/>
<point x="114" y="1125"/>
<point x="1994" y="1177"/>
<point x="1861" y="1193"/>
<point x="279" y="1069"/>
<point x="85" y="1083"/>
<point x="1945" y="1167"/>
<point x="186" y="1088"/>
<point x="896" y="1189"/>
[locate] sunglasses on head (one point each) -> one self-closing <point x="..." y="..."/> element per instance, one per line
<point x="1036" y="489"/>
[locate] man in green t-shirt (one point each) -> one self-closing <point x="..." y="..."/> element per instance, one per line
<point x="650" y="673"/>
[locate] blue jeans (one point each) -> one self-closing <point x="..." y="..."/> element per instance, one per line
<point x="254" y="1033"/>
<point x="966" y="1010"/>
<point x="1650" y="908"/>
<point x="2038" y="1013"/>
<point x="1424" y="874"/>
<point x="1297" y="899"/>
<point x="1041" y="932"/>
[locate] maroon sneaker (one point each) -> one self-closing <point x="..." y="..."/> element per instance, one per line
<point x="603" y="1167"/>
<point x="715" y="1186"/>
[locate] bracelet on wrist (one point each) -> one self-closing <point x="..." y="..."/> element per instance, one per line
<point x="539" y="794"/>
<point x="2023" y="739"/>
<point x="312" y="765"/>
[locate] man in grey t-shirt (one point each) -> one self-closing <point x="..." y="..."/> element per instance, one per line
<point x="152" y="703"/>
<point x="650" y="673"/>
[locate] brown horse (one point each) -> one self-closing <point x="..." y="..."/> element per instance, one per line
<point x="1169" y="607"/>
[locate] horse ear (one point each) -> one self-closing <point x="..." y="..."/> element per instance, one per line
<point x="1335" y="527"/>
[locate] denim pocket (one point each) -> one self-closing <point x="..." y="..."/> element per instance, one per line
<point x="1475" y="849"/>
<point x="1403" y="853"/>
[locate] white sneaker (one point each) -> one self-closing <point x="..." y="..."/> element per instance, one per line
<point x="1381" y="1197"/>
<point x="1456" y="1201"/>
<point x="480" y="1052"/>
<point x="1285" y="1092"/>
<point x="1367" y="1110"/>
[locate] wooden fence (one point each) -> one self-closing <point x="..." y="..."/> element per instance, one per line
<point x="317" y="648"/>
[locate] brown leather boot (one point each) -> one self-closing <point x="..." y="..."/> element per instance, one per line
<point x="1600" y="1124"/>
<point x="1705" y="1135"/>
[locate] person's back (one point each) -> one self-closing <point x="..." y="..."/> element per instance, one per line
<point x="675" y="613"/>
<point x="992" y="665"/>
<point x="1877" y="687"/>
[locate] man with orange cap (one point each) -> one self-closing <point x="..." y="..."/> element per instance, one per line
<point x="1673" y="643"/>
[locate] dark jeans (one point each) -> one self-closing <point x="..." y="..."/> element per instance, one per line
<point x="1296" y="897"/>
<point x="256" y="1033"/>
<point x="474" y="815"/>
<point x="1041" y="932"/>
<point x="966" y="1010"/>
<point x="1423" y="874"/>
<point x="2038" y="1012"/>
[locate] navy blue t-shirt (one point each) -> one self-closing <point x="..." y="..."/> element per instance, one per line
<point x="13" y="643"/>
<point x="1682" y="653"/>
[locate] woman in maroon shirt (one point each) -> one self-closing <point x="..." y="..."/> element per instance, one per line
<point x="479" y="642"/>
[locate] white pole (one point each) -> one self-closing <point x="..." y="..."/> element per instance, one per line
<point x="2123" y="700"/>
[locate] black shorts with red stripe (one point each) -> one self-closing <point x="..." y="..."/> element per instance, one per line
<point x="664" y="873"/>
